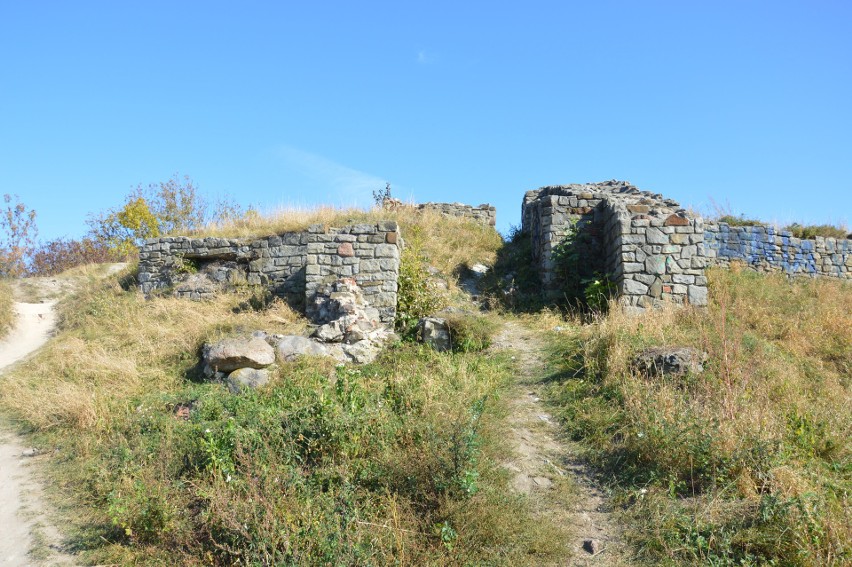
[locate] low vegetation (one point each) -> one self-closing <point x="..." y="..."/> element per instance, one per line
<point x="397" y="462"/>
<point x="7" y="308"/>
<point x="747" y="463"/>
<point x="812" y="231"/>
<point x="389" y="463"/>
<point x="739" y="220"/>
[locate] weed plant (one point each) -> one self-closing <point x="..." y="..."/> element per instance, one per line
<point x="747" y="463"/>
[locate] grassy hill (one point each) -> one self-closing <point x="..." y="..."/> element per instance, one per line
<point x="398" y="462"/>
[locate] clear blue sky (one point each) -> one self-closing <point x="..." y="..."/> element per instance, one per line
<point x="275" y="103"/>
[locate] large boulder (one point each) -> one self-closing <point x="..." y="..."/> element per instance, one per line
<point x="228" y="355"/>
<point x="669" y="361"/>
<point x="434" y="332"/>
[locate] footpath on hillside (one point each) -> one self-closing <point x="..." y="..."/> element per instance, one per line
<point x="545" y="467"/>
<point x="28" y="535"/>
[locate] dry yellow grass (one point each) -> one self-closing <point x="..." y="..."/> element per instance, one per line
<point x="769" y="416"/>
<point x="447" y="242"/>
<point x="119" y="344"/>
<point x="7" y="313"/>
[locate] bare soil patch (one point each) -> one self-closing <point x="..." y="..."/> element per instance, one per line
<point x="546" y="468"/>
<point x="28" y="535"/>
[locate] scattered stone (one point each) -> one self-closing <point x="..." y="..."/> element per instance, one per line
<point x="291" y="347"/>
<point x="361" y="352"/>
<point x="243" y="378"/>
<point x="669" y="361"/>
<point x="344" y="315"/>
<point x="230" y="354"/>
<point x="434" y="332"/>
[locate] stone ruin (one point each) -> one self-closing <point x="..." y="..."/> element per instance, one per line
<point x="649" y="246"/>
<point x="485" y="214"/>
<point x="294" y="266"/>
<point x="654" y="250"/>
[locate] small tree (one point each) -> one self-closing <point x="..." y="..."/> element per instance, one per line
<point x="168" y="207"/>
<point x="176" y="204"/>
<point x="122" y="230"/>
<point x="18" y="234"/>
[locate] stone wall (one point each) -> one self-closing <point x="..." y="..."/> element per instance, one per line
<point x="764" y="248"/>
<point x="291" y="265"/>
<point x="649" y="246"/>
<point x="485" y="214"/>
<point x="368" y="253"/>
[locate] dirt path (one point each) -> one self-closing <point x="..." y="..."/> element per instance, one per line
<point x="27" y="535"/>
<point x="546" y="468"/>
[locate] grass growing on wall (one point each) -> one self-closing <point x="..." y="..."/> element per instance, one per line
<point x="446" y="242"/>
<point x="745" y="464"/>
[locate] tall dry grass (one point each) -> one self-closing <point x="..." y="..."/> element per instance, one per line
<point x="764" y="429"/>
<point x="7" y="311"/>
<point x="447" y="242"/>
<point x="115" y="344"/>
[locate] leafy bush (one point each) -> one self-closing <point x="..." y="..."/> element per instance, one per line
<point x="575" y="272"/>
<point x="417" y="297"/>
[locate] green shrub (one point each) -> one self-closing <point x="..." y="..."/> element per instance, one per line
<point x="471" y="333"/>
<point x="416" y="296"/>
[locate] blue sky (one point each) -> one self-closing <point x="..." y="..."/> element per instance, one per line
<point x="744" y="103"/>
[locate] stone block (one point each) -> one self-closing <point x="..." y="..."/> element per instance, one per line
<point x="697" y="295"/>
<point x="677" y="220"/>
<point x="346" y="250"/>
<point x="654" y="235"/>
<point x="387" y="251"/>
<point x="655" y="264"/>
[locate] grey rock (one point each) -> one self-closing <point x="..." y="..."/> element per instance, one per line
<point x="230" y="354"/>
<point x="291" y="347"/>
<point x="361" y="352"/>
<point x="656" y="236"/>
<point x="479" y="270"/>
<point x="434" y="332"/>
<point x="669" y="361"/>
<point x="633" y="287"/>
<point x="243" y="378"/>
<point x="697" y="295"/>
<point x="655" y="264"/>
